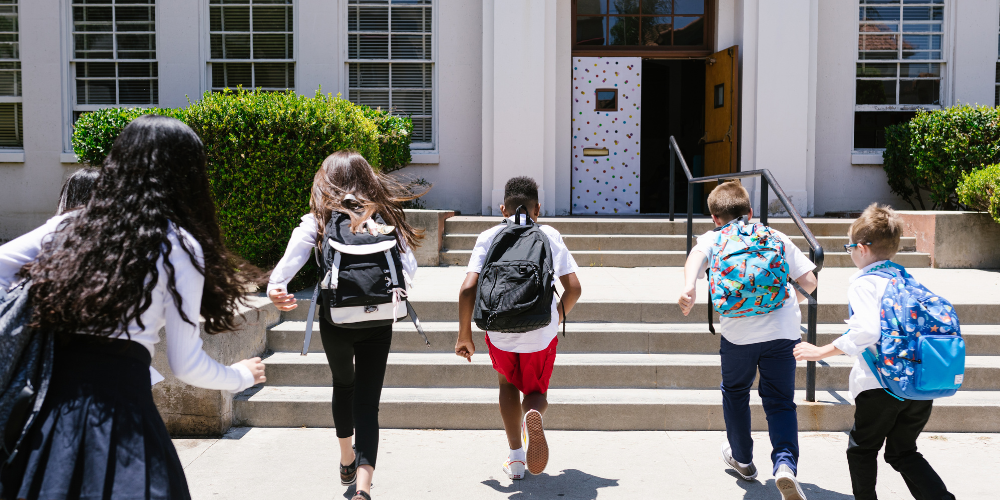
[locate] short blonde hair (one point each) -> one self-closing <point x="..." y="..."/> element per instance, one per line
<point x="729" y="200"/>
<point x="881" y="228"/>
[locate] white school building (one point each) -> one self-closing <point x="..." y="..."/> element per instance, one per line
<point x="582" y="95"/>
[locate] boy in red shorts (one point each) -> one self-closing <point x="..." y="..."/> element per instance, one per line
<point x="523" y="361"/>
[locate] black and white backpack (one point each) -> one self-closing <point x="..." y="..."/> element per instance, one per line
<point x="516" y="284"/>
<point x="362" y="282"/>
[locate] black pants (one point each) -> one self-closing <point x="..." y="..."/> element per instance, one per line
<point x="878" y="418"/>
<point x="357" y="358"/>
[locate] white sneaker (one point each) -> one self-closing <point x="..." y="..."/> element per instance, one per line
<point x="536" y="448"/>
<point x="748" y="473"/>
<point x="514" y="468"/>
<point x="787" y="485"/>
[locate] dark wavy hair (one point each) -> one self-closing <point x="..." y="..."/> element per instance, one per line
<point x="98" y="271"/>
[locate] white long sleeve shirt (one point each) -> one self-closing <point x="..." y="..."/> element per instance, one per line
<point x="300" y="247"/>
<point x="187" y="360"/>
<point x="864" y="326"/>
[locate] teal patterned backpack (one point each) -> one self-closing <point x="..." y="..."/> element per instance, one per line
<point x="747" y="271"/>
<point x="921" y="354"/>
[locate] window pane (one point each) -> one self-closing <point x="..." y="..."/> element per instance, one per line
<point x="880" y="13"/>
<point x="923" y="13"/>
<point x="92" y="15"/>
<point x="411" y="46"/>
<point x="623" y="6"/>
<point x="10" y="79"/>
<point x="920" y="91"/>
<point x="95" y="92"/>
<point x="95" y="70"/>
<point x="371" y="98"/>
<point x="879" y="28"/>
<point x="368" y="46"/>
<point x="90" y="46"/>
<point x="876" y="92"/>
<point x="137" y="70"/>
<point x="920" y="70"/>
<point x="411" y="75"/>
<point x="272" y="19"/>
<point x="274" y="75"/>
<point x="236" y="46"/>
<point x="921" y="42"/>
<point x="368" y="75"/>
<point x="421" y="130"/>
<point x="877" y="70"/>
<point x="593" y="6"/>
<point x="922" y="27"/>
<point x="409" y="19"/>
<point x="231" y="75"/>
<point x="624" y="30"/>
<point x="868" y="42"/>
<point x="373" y="19"/>
<point x="696" y="7"/>
<point x="133" y="14"/>
<point x="869" y="126"/>
<point x="272" y="46"/>
<point x="137" y="46"/>
<point x="657" y="30"/>
<point x="11" y="125"/>
<point x="590" y="30"/>
<point x="657" y="7"/>
<point x="9" y="50"/>
<point x="235" y="18"/>
<point x="215" y="18"/>
<point x="411" y="102"/>
<point x="137" y="92"/>
<point x="922" y="55"/>
<point x="689" y="30"/>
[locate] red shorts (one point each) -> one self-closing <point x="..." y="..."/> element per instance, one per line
<point x="528" y="371"/>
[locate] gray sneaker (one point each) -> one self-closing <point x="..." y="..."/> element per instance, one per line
<point x="787" y="484"/>
<point x="748" y="473"/>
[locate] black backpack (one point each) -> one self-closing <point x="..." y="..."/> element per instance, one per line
<point x="516" y="284"/>
<point x="361" y="279"/>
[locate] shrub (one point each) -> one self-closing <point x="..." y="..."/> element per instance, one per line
<point x="943" y="146"/>
<point x="980" y="190"/>
<point x="898" y="166"/>
<point x="263" y="150"/>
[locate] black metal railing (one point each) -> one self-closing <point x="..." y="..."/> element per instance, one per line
<point x="768" y="182"/>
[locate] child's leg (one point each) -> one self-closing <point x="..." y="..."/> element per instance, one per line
<point x="874" y="416"/>
<point x="339" y="347"/>
<point x="739" y="368"/>
<point x="777" y="392"/>
<point x="510" y="411"/>
<point x="535" y="401"/>
<point x="371" y="354"/>
<point x="901" y="452"/>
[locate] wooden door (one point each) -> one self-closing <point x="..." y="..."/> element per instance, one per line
<point x="721" y="105"/>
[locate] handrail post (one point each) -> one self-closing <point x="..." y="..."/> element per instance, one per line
<point x="670" y="183"/>
<point x="811" y="338"/>
<point x="690" y="225"/>
<point x="763" y="200"/>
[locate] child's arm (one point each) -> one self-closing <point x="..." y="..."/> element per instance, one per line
<point x="464" y="346"/>
<point x="571" y="294"/>
<point x="695" y="266"/>
<point x="864" y="326"/>
<point x="297" y="253"/>
<point x="804" y="351"/>
<point x="806" y="281"/>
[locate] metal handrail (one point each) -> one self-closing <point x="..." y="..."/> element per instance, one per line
<point x="815" y="249"/>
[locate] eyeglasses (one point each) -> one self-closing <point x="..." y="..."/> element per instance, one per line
<point x="850" y="247"/>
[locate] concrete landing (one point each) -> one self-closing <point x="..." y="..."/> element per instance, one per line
<point x="431" y="465"/>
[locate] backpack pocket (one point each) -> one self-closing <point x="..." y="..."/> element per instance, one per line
<point x="942" y="363"/>
<point x="511" y="287"/>
<point x="361" y="284"/>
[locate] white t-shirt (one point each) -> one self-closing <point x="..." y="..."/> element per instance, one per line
<point x="562" y="264"/>
<point x="781" y="323"/>
<point x="864" y="326"/>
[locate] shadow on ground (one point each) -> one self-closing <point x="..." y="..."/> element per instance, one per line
<point x="570" y="484"/>
<point x="755" y="490"/>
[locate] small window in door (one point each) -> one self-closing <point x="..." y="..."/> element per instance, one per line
<point x="720" y="95"/>
<point x="607" y="100"/>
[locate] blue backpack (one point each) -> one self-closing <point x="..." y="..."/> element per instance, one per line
<point x="921" y="354"/>
<point x="748" y="271"/>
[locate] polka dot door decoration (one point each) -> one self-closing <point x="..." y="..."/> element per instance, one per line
<point x="606" y="183"/>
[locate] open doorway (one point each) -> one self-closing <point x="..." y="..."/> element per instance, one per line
<point x="673" y="101"/>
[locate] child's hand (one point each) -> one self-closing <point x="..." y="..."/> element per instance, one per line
<point x="465" y="348"/>
<point x="686" y="300"/>
<point x="804" y="351"/>
<point x="256" y="367"/>
<point x="282" y="300"/>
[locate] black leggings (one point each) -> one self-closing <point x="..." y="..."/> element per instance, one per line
<point x="357" y="358"/>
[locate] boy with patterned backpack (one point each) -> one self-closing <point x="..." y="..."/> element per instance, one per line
<point x="909" y="351"/>
<point x="750" y="268"/>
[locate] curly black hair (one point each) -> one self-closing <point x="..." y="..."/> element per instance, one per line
<point x="520" y="191"/>
<point x="99" y="269"/>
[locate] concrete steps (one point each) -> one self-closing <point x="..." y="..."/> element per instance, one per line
<point x="653" y="242"/>
<point x="589" y="409"/>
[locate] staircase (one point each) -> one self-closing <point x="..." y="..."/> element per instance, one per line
<point x="629" y="360"/>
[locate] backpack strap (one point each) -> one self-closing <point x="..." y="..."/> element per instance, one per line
<point x="711" y="308"/>
<point x="310" y="317"/>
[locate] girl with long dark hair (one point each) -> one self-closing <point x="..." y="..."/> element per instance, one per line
<point x="144" y="253"/>
<point x="347" y="184"/>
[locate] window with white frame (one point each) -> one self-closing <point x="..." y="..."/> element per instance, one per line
<point x="11" y="125"/>
<point x="114" y="54"/>
<point x="900" y="63"/>
<point x="390" y="61"/>
<point x="252" y="44"/>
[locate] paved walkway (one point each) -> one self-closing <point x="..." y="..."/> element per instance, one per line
<point x="426" y="464"/>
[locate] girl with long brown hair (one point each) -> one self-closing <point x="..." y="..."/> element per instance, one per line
<point x="346" y="184"/>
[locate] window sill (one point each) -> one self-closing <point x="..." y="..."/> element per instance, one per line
<point x="424" y="158"/>
<point x="867" y="157"/>
<point x="68" y="158"/>
<point x="12" y="157"/>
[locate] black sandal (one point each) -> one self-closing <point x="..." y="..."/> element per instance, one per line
<point x="360" y="495"/>
<point x="349" y="473"/>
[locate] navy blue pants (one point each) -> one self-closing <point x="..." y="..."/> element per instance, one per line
<point x="740" y="364"/>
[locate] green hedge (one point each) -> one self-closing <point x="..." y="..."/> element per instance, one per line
<point x="937" y="149"/>
<point x="263" y="150"/>
<point x="980" y="190"/>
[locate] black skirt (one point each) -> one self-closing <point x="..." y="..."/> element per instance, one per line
<point x="99" y="435"/>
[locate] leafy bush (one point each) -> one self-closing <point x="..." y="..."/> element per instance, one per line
<point x="263" y="150"/>
<point x="942" y="146"/>
<point x="980" y="190"/>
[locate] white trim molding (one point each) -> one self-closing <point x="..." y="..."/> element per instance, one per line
<point x="866" y="157"/>
<point x="68" y="158"/>
<point x="11" y="156"/>
<point x="424" y="158"/>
